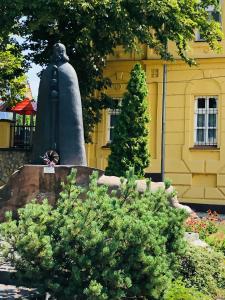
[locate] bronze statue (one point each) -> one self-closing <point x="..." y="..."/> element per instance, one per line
<point x="59" y="123"/>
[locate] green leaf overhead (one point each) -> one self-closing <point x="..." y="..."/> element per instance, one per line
<point x="92" y="29"/>
<point x="12" y="77"/>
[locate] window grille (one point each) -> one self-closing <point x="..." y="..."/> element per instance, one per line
<point x="206" y="115"/>
<point x="112" y="119"/>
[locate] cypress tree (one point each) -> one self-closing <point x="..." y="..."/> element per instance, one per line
<point x="129" y="146"/>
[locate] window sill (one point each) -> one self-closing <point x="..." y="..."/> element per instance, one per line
<point x="211" y="148"/>
<point x="107" y="146"/>
<point x="7" y="121"/>
<point x="204" y="41"/>
<point x="13" y="149"/>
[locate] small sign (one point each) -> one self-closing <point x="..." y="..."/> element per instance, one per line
<point x="49" y="170"/>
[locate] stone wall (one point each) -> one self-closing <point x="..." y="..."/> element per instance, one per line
<point x="10" y="161"/>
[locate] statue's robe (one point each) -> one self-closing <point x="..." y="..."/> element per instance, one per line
<point x="68" y="131"/>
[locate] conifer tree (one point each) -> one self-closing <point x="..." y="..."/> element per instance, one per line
<point x="129" y="146"/>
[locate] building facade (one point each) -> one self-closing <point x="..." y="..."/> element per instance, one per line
<point x="195" y="118"/>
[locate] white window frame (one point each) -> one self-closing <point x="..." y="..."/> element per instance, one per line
<point x="112" y="112"/>
<point x="206" y="112"/>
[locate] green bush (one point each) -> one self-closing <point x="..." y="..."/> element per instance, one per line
<point x="217" y="241"/>
<point x="178" y="291"/>
<point x="103" y="247"/>
<point x="204" y="269"/>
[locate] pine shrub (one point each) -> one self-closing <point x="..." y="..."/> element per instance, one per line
<point x="102" y="247"/>
<point x="129" y="146"/>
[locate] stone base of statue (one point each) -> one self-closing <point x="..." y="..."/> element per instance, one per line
<point x="41" y="182"/>
<point x="38" y="182"/>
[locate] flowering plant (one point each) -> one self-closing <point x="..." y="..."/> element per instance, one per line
<point x="203" y="226"/>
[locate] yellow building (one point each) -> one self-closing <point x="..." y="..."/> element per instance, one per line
<point x="195" y="119"/>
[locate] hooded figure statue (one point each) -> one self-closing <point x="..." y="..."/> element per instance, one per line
<point x="59" y="122"/>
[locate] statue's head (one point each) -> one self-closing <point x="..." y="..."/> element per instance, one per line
<point x="59" y="53"/>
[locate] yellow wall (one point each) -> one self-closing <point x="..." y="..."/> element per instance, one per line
<point x="198" y="174"/>
<point x="5" y="133"/>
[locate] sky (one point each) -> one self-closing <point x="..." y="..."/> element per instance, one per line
<point x="33" y="79"/>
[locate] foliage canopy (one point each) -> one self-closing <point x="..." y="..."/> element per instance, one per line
<point x="91" y="29"/>
<point x="12" y="77"/>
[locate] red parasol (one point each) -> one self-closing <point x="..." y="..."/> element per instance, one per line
<point x="25" y="107"/>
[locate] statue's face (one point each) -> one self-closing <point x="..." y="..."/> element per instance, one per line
<point x="59" y="51"/>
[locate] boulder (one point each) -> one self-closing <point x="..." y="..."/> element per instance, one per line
<point x="193" y="239"/>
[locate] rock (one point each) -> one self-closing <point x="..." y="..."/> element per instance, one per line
<point x="114" y="183"/>
<point x="30" y="182"/>
<point x="193" y="239"/>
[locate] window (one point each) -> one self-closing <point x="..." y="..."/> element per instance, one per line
<point x="113" y="115"/>
<point x="212" y="15"/>
<point x="206" y="120"/>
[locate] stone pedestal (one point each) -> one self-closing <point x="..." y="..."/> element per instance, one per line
<point x="30" y="182"/>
